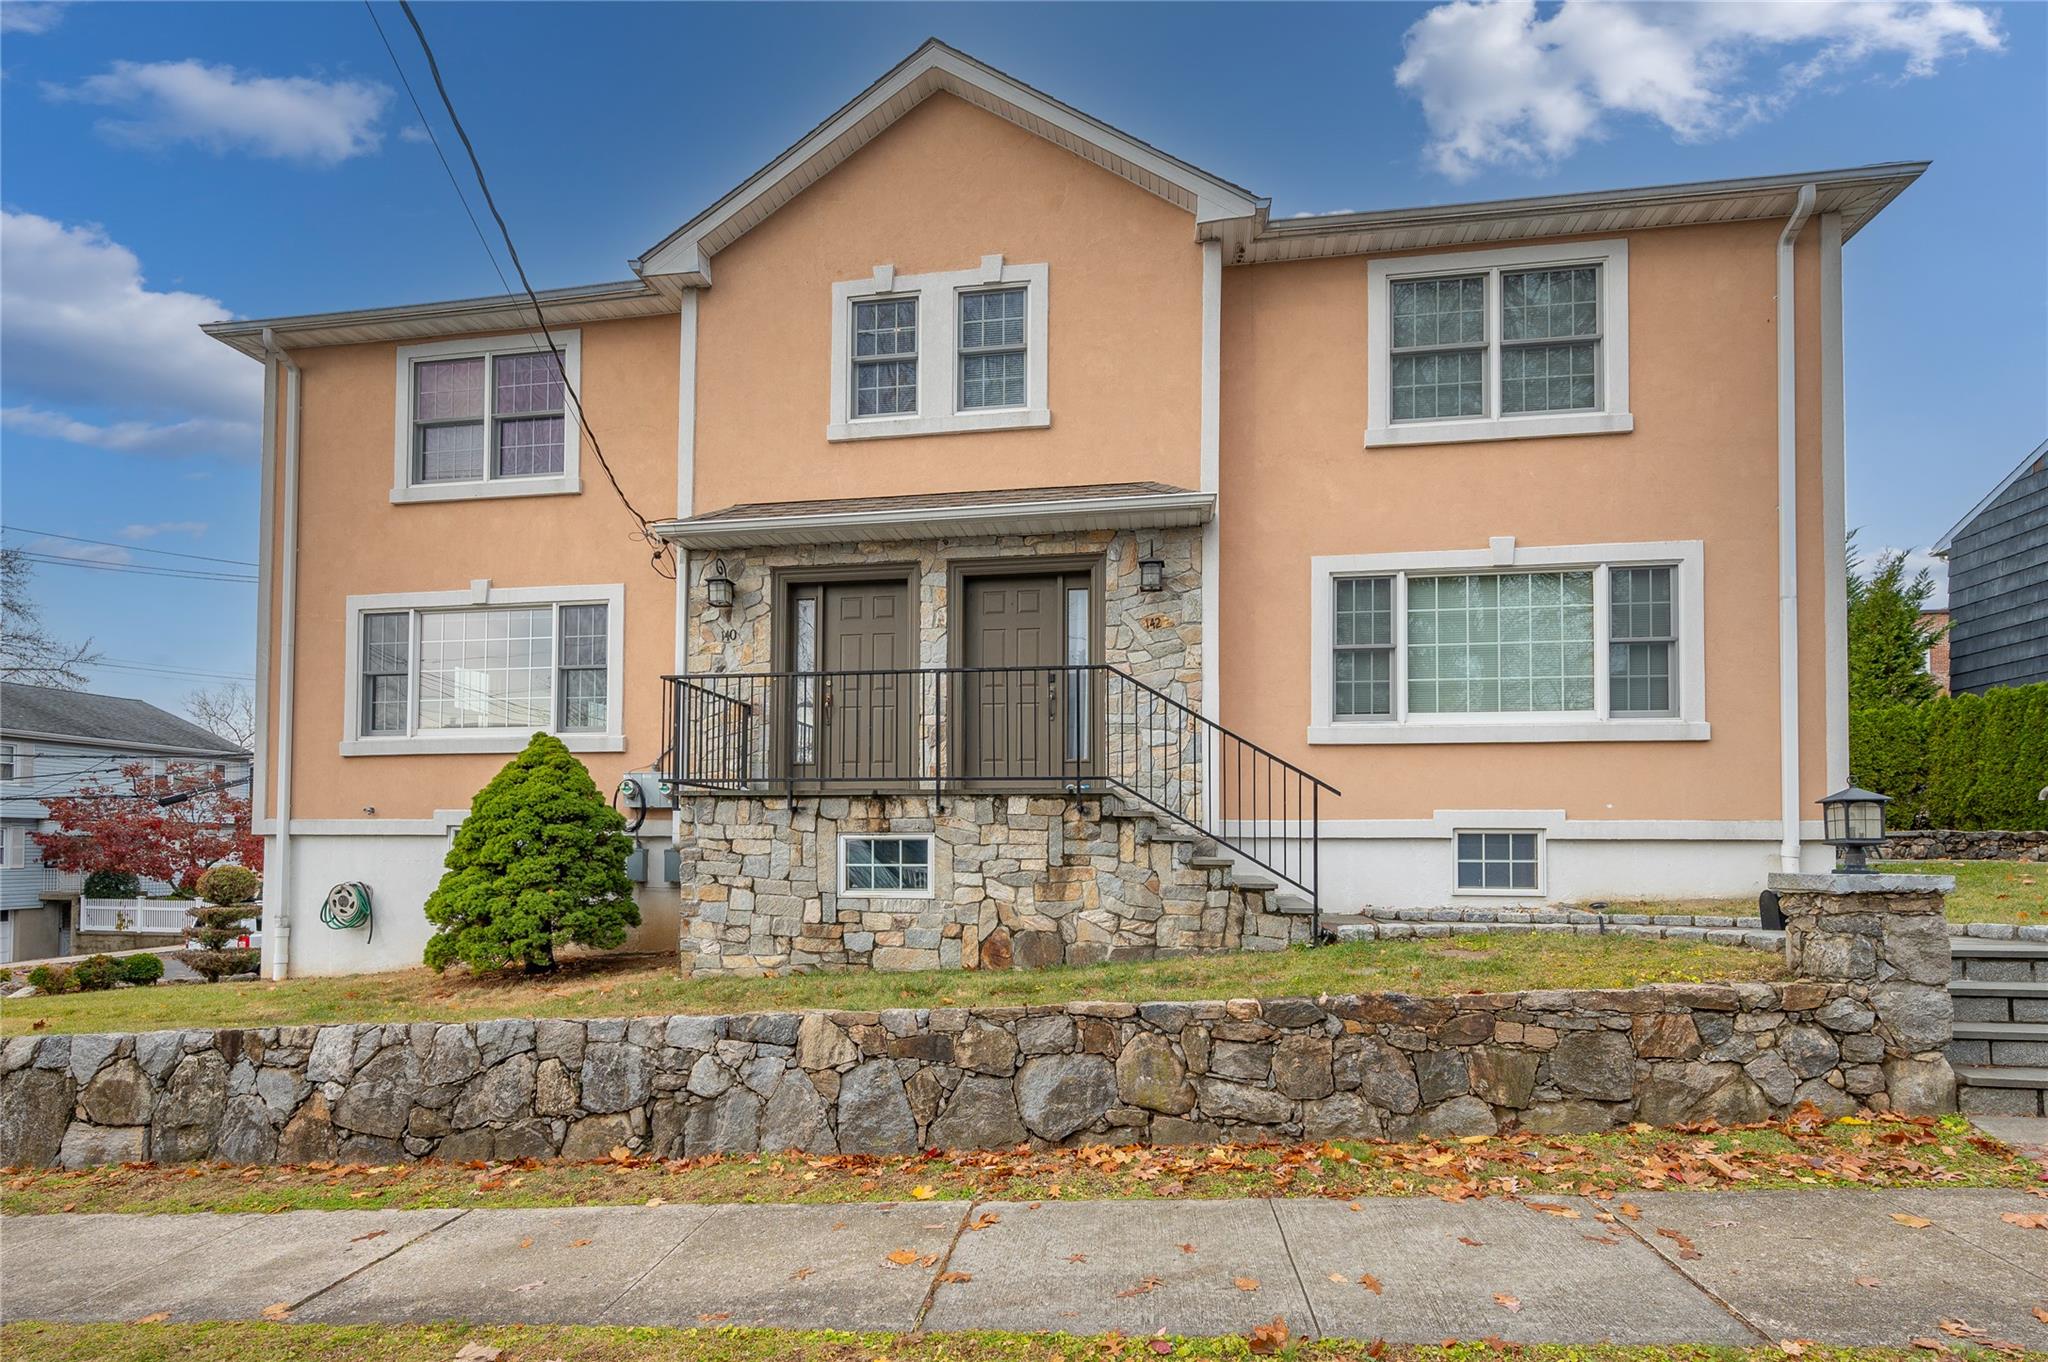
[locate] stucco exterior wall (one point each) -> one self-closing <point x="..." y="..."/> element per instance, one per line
<point x="1700" y="464"/>
<point x="939" y="190"/>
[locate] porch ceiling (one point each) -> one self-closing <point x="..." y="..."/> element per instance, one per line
<point x="943" y="515"/>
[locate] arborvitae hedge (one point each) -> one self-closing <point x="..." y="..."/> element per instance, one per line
<point x="1973" y="762"/>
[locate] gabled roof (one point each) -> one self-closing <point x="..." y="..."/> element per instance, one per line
<point x="2037" y="459"/>
<point x="936" y="67"/>
<point x="105" y="720"/>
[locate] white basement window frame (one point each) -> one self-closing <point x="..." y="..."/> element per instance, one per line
<point x="1610" y="413"/>
<point x="941" y="405"/>
<point x="889" y="855"/>
<point x="1486" y="862"/>
<point x="406" y="485"/>
<point x="359" y="741"/>
<point x="1685" y="722"/>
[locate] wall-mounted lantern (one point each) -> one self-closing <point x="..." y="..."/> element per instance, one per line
<point x="1151" y="574"/>
<point x="718" y="588"/>
<point x="1852" y="820"/>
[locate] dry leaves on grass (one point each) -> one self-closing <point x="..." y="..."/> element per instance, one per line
<point x="1267" y="1339"/>
<point x="158" y="1318"/>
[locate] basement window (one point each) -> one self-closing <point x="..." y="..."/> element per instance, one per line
<point x="871" y="867"/>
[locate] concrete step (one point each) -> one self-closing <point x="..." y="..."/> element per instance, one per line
<point x="1982" y="948"/>
<point x="1292" y="904"/>
<point x="1254" y="884"/>
<point x="2035" y="1031"/>
<point x="1207" y="861"/>
<point x="1997" y="988"/>
<point x="2002" y="1076"/>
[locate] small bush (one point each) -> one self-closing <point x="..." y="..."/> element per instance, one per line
<point x="96" y="973"/>
<point x="52" y="979"/>
<point x="112" y="884"/>
<point x="141" y="970"/>
<point x="227" y="885"/>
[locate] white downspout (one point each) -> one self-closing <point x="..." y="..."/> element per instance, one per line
<point x="1788" y="538"/>
<point x="277" y="949"/>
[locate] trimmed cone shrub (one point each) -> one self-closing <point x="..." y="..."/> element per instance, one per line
<point x="230" y="893"/>
<point x="540" y="863"/>
<point x="141" y="970"/>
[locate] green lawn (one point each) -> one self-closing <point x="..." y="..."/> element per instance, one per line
<point x="649" y="985"/>
<point x="1854" y="1153"/>
<point x="250" y="1341"/>
<point x="1986" y="891"/>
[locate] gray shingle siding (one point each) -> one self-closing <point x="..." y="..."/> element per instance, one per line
<point x="1998" y="588"/>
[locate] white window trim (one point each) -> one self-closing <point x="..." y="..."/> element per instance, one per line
<point x="1613" y="415"/>
<point x="931" y="870"/>
<point x="1685" y="556"/>
<point x="1542" y="888"/>
<point x="14" y="848"/>
<point x="22" y="758"/>
<point x="355" y="743"/>
<point x="568" y="481"/>
<point x="938" y="366"/>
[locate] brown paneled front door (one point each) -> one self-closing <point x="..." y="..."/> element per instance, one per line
<point x="858" y="721"/>
<point x="1021" y="714"/>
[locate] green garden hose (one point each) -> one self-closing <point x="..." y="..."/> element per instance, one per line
<point x="347" y="907"/>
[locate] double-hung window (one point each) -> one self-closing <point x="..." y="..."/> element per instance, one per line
<point x="1477" y="345"/>
<point x="930" y="354"/>
<point x="469" y="675"/>
<point x="1438" y="647"/>
<point x="487" y="418"/>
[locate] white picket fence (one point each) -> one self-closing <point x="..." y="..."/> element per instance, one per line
<point x="158" y="916"/>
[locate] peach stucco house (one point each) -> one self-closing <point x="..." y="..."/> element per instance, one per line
<point x="1070" y="559"/>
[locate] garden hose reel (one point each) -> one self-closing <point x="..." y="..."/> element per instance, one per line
<point x="347" y="906"/>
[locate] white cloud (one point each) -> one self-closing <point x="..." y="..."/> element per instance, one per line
<point x="30" y="16"/>
<point x="81" y="330"/>
<point x="195" y="528"/>
<point x="81" y="553"/>
<point x="413" y="132"/>
<point x="297" y="118"/>
<point x="1921" y="560"/>
<point x="1501" y="85"/>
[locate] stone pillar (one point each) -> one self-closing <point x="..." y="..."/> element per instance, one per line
<point x="1881" y="942"/>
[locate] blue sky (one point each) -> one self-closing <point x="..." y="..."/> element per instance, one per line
<point x="168" y="163"/>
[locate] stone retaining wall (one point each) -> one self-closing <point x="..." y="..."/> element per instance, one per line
<point x="1862" y="1024"/>
<point x="1948" y="844"/>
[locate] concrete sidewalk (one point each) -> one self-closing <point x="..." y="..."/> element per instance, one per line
<point x="1735" y="1267"/>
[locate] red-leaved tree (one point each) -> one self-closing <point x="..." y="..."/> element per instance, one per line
<point x="118" y="825"/>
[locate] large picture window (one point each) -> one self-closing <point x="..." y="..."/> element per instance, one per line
<point x="1527" y="646"/>
<point x="445" y="672"/>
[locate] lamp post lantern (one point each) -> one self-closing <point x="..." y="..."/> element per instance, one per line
<point x="1852" y="821"/>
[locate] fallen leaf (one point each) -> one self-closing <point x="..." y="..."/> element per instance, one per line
<point x="1911" y="1222"/>
<point x="1187" y="1248"/>
<point x="1471" y="1243"/>
<point x="1160" y="1347"/>
<point x="1371" y="1283"/>
<point x="1267" y="1339"/>
<point x="714" y="1317"/>
<point x="1933" y="1345"/>
<point x="1600" y="1238"/>
<point x="802" y="1273"/>
<point x="903" y="1257"/>
<point x="656" y="1201"/>
<point x="984" y="1220"/>
<point x="1630" y="1209"/>
<point x="1685" y="1248"/>
<point x="2041" y="1314"/>
<point x="1552" y="1208"/>
<point x="1339" y="1278"/>
<point x="1956" y="1328"/>
<point x="579" y="1243"/>
<point x="2025" y="1222"/>
<point x="527" y="1242"/>
<point x="1144" y="1285"/>
<point x="371" y="1234"/>
<point x="621" y="1154"/>
<point x="949" y="1278"/>
<point x="1794" y="1347"/>
<point x="922" y="1192"/>
<point x="1077" y="1257"/>
<point x="1245" y="1283"/>
<point x="1506" y="1302"/>
<point x="277" y="1311"/>
<point x="158" y="1318"/>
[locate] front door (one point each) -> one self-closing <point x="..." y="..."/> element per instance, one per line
<point x="857" y="720"/>
<point x="1024" y="708"/>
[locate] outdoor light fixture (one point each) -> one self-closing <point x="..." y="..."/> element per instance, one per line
<point x="718" y="587"/>
<point x="1151" y="575"/>
<point x="1852" y="820"/>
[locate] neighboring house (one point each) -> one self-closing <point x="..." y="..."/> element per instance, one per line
<point x="1004" y="454"/>
<point x="54" y="743"/>
<point x="1998" y="583"/>
<point x="1936" y="663"/>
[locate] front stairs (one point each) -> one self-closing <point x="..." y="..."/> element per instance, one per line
<point x="2000" y="1045"/>
<point x="1246" y="904"/>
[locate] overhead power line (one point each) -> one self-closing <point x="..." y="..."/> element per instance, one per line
<point x="135" y="548"/>
<point x="660" y="550"/>
<point x="167" y="669"/>
<point x="136" y="569"/>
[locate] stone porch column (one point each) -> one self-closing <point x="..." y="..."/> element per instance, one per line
<point x="1881" y="941"/>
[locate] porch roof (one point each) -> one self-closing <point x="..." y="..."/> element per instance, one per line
<point x="937" y="515"/>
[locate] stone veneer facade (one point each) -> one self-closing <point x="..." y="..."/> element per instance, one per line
<point x="1019" y="881"/>
<point x="1862" y="1026"/>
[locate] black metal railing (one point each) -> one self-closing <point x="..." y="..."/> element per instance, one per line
<point x="1081" y="730"/>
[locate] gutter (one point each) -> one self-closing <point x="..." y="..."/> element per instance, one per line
<point x="1788" y="536"/>
<point x="277" y="940"/>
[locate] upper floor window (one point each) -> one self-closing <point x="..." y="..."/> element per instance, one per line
<point x="1479" y="345"/>
<point x="932" y="353"/>
<point x="468" y="676"/>
<point x="10" y="761"/>
<point x="1469" y="654"/>
<point x="487" y="418"/>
